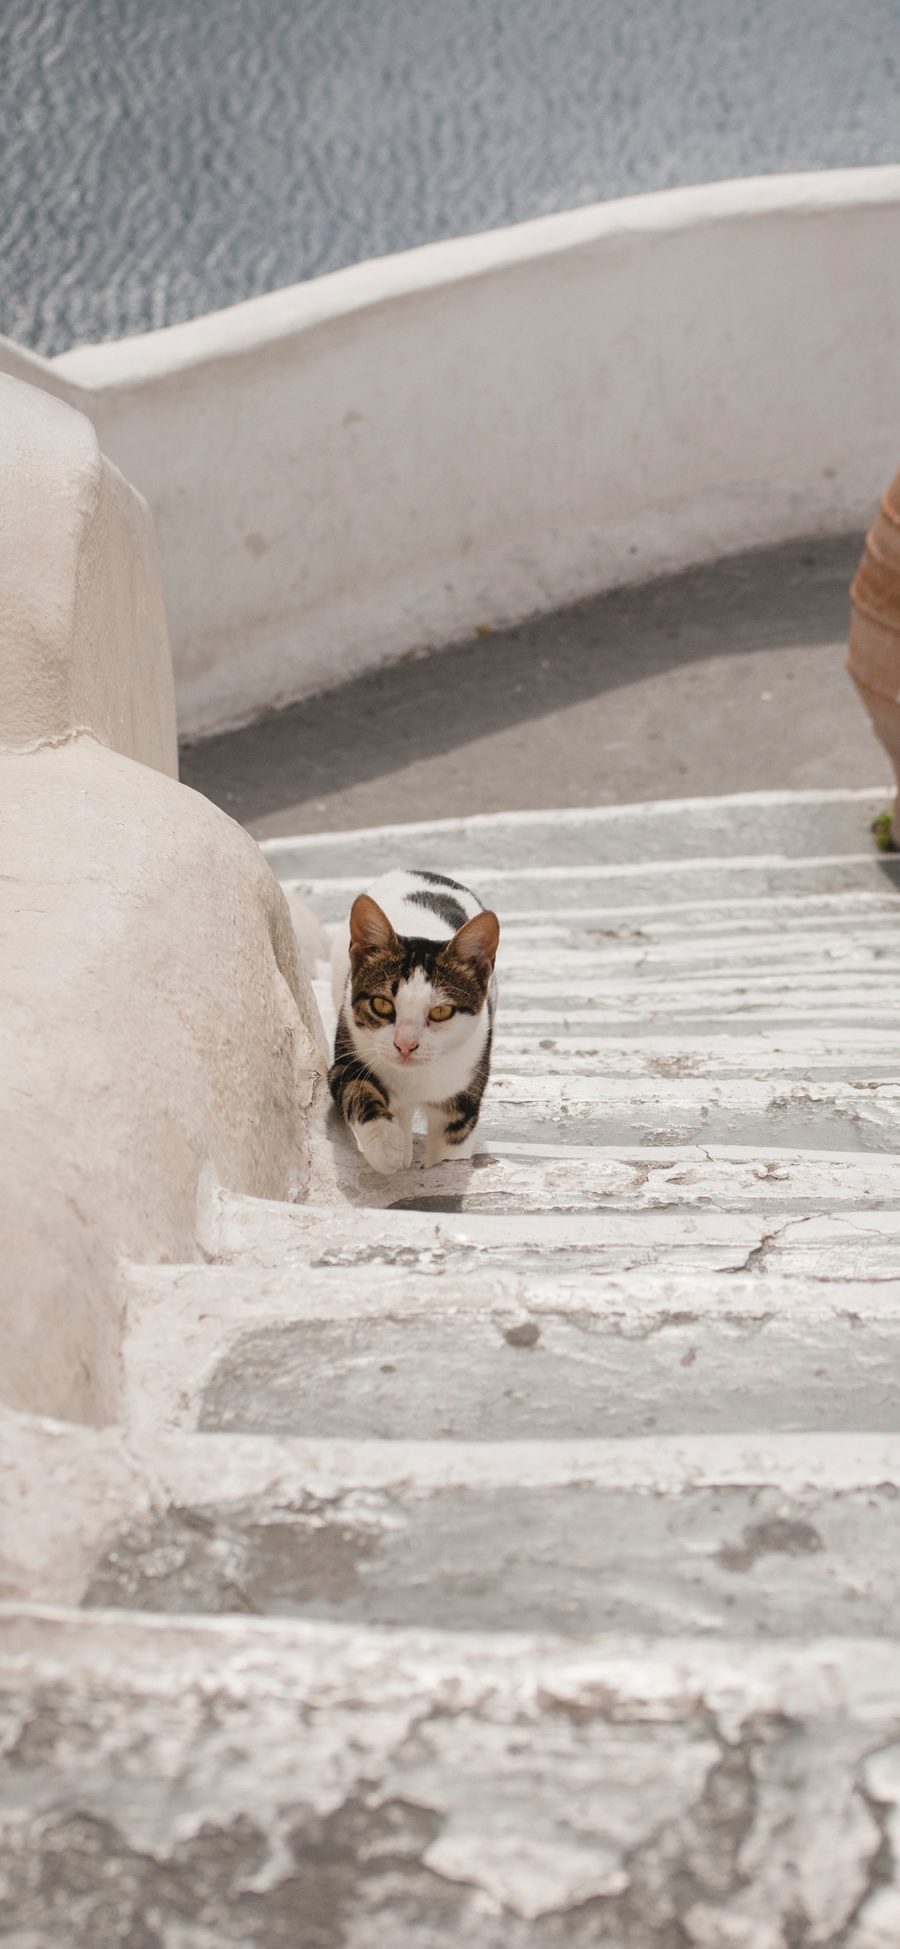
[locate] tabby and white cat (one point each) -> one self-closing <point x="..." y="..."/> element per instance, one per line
<point x="415" y="991"/>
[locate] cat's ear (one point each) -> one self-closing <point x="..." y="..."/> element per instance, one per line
<point x="477" y="942"/>
<point x="369" y="927"/>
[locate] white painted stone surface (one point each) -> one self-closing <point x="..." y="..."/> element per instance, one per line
<point x="385" y="458"/>
<point x="153" y="1019"/>
<point x="536" y="1518"/>
<point x="417" y="1354"/>
<point x="529" y="1795"/>
<point x="83" y="641"/>
<point x="782" y="1535"/>
<point x="150" y="1020"/>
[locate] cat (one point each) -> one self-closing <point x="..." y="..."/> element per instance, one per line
<point x="415" y="991"/>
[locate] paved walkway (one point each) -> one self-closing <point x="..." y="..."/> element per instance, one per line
<point x="729" y="678"/>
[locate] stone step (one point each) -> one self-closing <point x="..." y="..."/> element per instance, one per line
<point x="421" y="1356"/>
<point x="766" y="1056"/>
<point x="813" y="995"/>
<point x="618" y="1112"/>
<point x="857" y="949"/>
<point x="856" y="1244"/>
<point x="541" y="977"/>
<point x="424" y="1789"/>
<point x="791" y="825"/>
<point x="729" y="920"/>
<point x="553" y="1178"/>
<point x="654" y="886"/>
<point x="773" y="1535"/>
<point x="771" y="1015"/>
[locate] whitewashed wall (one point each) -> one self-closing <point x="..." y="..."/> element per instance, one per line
<point x="153" y="1017"/>
<point x="387" y="457"/>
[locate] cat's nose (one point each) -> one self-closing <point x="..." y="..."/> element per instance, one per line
<point x="405" y="1041"/>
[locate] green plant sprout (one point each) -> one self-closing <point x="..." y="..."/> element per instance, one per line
<point x="881" y="827"/>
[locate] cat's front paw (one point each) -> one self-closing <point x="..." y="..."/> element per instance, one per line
<point x="382" y="1143"/>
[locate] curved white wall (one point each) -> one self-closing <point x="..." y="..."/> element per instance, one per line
<point x="387" y="457"/>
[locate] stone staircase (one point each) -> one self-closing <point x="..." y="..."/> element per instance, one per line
<point x="511" y="1554"/>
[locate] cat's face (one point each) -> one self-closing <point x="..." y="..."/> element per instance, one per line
<point x="416" y="1000"/>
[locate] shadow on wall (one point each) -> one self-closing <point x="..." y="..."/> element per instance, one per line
<point x="541" y="693"/>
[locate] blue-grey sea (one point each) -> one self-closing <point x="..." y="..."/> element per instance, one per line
<point x="165" y="157"/>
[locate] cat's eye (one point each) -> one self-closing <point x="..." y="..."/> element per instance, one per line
<point x="382" y="1007"/>
<point x="442" y="1013"/>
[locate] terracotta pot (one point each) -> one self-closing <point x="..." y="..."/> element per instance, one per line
<point x="873" y="658"/>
